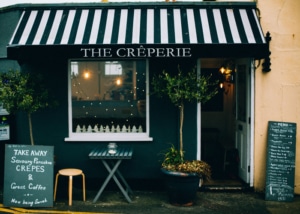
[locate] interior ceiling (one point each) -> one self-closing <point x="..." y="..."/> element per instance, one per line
<point x="212" y="62"/>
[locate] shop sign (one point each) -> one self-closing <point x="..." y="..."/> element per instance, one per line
<point x="28" y="176"/>
<point x="280" y="169"/>
<point x="139" y="52"/>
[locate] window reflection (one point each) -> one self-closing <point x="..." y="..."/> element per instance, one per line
<point x="113" y="68"/>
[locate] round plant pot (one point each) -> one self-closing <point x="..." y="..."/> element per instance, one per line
<point x="181" y="187"/>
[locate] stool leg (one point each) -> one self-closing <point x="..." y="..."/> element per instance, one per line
<point x="83" y="186"/>
<point x="55" y="187"/>
<point x="70" y="189"/>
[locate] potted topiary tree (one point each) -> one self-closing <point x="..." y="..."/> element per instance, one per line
<point x="182" y="88"/>
<point x="25" y="92"/>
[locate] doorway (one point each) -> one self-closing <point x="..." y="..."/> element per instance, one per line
<point x="225" y="131"/>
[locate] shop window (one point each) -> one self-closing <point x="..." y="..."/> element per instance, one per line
<point x="108" y="101"/>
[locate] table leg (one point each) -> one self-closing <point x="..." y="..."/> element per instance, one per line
<point x="124" y="181"/>
<point x="117" y="181"/>
<point x="119" y="184"/>
<point x="111" y="173"/>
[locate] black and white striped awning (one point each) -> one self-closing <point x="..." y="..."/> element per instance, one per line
<point x="191" y="25"/>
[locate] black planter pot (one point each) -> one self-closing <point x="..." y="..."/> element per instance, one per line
<point x="182" y="187"/>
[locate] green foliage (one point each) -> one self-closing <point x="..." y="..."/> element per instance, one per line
<point x="22" y="92"/>
<point x="172" y="157"/>
<point x="184" y="87"/>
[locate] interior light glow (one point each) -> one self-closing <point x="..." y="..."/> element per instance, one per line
<point x="118" y="81"/>
<point x="86" y="75"/>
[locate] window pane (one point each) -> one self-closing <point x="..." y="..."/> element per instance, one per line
<point x="108" y="96"/>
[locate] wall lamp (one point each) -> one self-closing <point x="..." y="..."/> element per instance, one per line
<point x="267" y="61"/>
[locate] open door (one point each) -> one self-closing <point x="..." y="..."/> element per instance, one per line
<point x="243" y="112"/>
<point x="227" y="130"/>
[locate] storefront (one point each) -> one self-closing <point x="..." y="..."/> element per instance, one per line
<point x="100" y="59"/>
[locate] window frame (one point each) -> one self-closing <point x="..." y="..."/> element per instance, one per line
<point x="107" y="137"/>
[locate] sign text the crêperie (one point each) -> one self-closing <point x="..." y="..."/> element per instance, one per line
<point x="139" y="52"/>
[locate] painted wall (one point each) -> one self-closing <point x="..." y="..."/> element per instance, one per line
<point x="277" y="93"/>
<point x="50" y="127"/>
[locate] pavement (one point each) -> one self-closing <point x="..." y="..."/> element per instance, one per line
<point x="156" y="202"/>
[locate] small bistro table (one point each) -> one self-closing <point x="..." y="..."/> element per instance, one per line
<point x="111" y="163"/>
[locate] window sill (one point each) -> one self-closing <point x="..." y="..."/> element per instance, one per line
<point x="94" y="137"/>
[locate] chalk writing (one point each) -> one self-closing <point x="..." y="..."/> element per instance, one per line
<point x="28" y="176"/>
<point x="280" y="161"/>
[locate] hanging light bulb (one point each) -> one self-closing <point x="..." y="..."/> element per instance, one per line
<point x="86" y="75"/>
<point x="118" y="81"/>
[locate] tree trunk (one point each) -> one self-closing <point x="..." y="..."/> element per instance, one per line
<point x="180" y="130"/>
<point x="30" y="128"/>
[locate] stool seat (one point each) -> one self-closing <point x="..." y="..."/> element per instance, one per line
<point x="70" y="172"/>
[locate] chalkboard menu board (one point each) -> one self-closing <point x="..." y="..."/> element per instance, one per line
<point x="28" y="176"/>
<point x="280" y="161"/>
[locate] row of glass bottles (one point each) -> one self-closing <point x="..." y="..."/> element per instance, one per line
<point x="107" y="129"/>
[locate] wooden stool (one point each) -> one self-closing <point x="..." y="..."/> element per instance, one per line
<point x="70" y="172"/>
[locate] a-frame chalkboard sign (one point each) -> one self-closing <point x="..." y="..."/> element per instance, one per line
<point x="280" y="177"/>
<point x="28" y="176"/>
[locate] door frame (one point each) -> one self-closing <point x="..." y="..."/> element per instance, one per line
<point x="252" y="106"/>
<point x="251" y="131"/>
